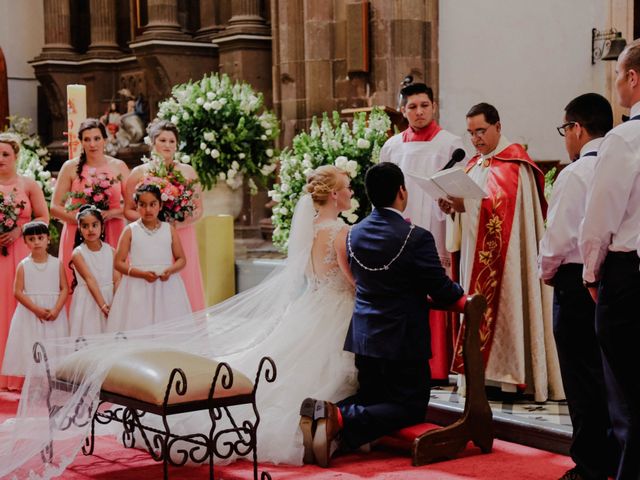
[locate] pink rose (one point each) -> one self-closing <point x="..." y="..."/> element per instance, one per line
<point x="88" y="191"/>
<point x="105" y="184"/>
<point x="9" y="223"/>
<point x="2" y="217"/>
<point x="97" y="197"/>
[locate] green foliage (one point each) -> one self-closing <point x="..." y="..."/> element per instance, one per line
<point x="352" y="147"/>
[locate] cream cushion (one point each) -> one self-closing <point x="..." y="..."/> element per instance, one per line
<point x="144" y="374"/>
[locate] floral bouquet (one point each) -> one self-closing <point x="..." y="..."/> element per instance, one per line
<point x="352" y="148"/>
<point x="177" y="192"/>
<point x="10" y="210"/>
<point x="225" y="132"/>
<point x="96" y="191"/>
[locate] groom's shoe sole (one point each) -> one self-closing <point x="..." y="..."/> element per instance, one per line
<point x="306" y="426"/>
<point x="327" y="428"/>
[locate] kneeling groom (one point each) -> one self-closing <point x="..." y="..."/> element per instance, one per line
<point x="395" y="265"/>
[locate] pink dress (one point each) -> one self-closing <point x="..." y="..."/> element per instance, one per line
<point x="191" y="273"/>
<point x="113" y="227"/>
<point x="8" y="265"/>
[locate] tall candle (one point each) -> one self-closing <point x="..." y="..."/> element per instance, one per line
<point x="76" y="114"/>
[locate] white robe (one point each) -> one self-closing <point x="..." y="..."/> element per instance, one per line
<point x="523" y="349"/>
<point x="425" y="159"/>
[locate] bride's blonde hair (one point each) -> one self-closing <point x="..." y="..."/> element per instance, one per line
<point x="322" y="181"/>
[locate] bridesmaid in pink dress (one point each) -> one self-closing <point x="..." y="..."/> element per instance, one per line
<point x="72" y="178"/>
<point x="164" y="140"/>
<point x="27" y="190"/>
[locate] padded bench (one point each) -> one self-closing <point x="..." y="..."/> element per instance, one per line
<point x="164" y="382"/>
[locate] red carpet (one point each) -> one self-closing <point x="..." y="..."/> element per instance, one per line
<point x="507" y="461"/>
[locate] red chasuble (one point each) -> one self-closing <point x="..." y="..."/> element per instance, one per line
<point x="494" y="230"/>
<point x="425" y="134"/>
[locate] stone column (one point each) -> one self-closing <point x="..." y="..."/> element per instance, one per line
<point x="103" y="26"/>
<point x="246" y="12"/>
<point x="163" y="19"/>
<point x="57" y="26"/>
<point x="209" y="19"/>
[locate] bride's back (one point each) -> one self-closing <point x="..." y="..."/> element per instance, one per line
<point x="324" y="260"/>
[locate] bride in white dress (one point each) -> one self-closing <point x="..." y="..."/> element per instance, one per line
<point x="298" y="316"/>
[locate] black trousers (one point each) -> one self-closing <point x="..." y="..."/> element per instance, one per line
<point x="593" y="447"/>
<point x="392" y="394"/>
<point x="618" y="330"/>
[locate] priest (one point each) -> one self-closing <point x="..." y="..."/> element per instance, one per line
<point x="425" y="148"/>
<point x="498" y="244"/>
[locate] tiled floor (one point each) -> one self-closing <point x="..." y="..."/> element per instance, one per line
<point x="549" y="415"/>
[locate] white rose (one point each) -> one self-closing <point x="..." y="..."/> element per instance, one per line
<point x="207" y="106"/>
<point x="307" y="172"/>
<point x="185" y="159"/>
<point x="284" y="210"/>
<point x="216" y="105"/>
<point x="263" y="137"/>
<point x="235" y="165"/>
<point x="352" y="168"/>
<point x="147" y="140"/>
<point x="208" y="136"/>
<point x="211" y="95"/>
<point x="222" y="176"/>
<point x="215" y="153"/>
<point x="269" y="152"/>
<point x="341" y="162"/>
<point x="207" y="151"/>
<point x="285" y="188"/>
<point x="174" y="119"/>
<point x="363" y="143"/>
<point x="241" y="156"/>
<point x="277" y="197"/>
<point x="231" y="174"/>
<point x="297" y="176"/>
<point x="268" y="132"/>
<point x="185" y="116"/>
<point x="46" y="174"/>
<point x="203" y="146"/>
<point x="200" y="100"/>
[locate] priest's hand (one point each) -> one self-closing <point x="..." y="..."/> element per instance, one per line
<point x="451" y="205"/>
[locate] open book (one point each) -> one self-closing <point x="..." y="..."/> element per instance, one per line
<point x="453" y="182"/>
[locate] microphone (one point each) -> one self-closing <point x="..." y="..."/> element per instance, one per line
<point x="457" y="156"/>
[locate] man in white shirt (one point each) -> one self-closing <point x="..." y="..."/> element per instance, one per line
<point x="424" y="148"/>
<point x="587" y="119"/>
<point x="608" y="242"/>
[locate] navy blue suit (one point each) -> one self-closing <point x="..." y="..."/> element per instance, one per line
<point x="389" y="331"/>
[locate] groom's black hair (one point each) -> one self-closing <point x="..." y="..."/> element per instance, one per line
<point x="383" y="181"/>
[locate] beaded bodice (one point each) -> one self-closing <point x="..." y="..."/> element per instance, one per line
<point x="323" y="267"/>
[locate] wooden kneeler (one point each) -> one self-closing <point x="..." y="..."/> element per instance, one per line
<point x="431" y="443"/>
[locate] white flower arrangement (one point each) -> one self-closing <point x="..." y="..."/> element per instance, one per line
<point x="33" y="157"/>
<point x="225" y="132"/>
<point x="352" y="148"/>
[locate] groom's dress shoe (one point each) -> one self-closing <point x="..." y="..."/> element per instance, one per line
<point x="307" y="425"/>
<point x="327" y="428"/>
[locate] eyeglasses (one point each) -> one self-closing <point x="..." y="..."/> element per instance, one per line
<point x="479" y="132"/>
<point x="562" y="129"/>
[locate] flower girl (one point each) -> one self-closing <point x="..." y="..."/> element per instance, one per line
<point x="149" y="293"/>
<point x="93" y="275"/>
<point x="41" y="291"/>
